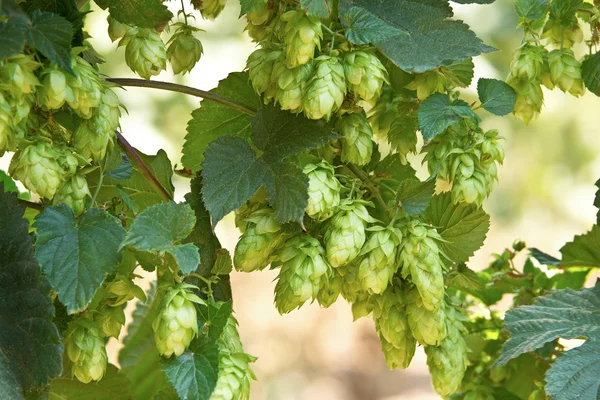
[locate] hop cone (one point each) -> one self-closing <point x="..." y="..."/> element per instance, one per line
<point x="116" y="30"/>
<point x="106" y="117"/>
<point x="210" y="9"/>
<point x="110" y="320"/>
<point x="530" y="98"/>
<point x="184" y="50"/>
<point x="122" y="290"/>
<point x="331" y="290"/>
<point x="323" y="190"/>
<point x="37" y="167"/>
<point x="362" y="306"/>
<point x="357" y="142"/>
<point x="391" y="322"/>
<point x="384" y="112"/>
<point x="448" y="361"/>
<point x="562" y="36"/>
<point x="420" y="258"/>
<point x="17" y="77"/>
<point x="257" y="21"/>
<point x="429" y="82"/>
<point x="302" y="35"/>
<point x="528" y="62"/>
<point x="428" y="327"/>
<point x="145" y="53"/>
<point x="85" y="347"/>
<point x="176" y="324"/>
<point x="565" y="72"/>
<point x="352" y="288"/>
<point x="73" y="193"/>
<point x="365" y="75"/>
<point x="54" y="90"/>
<point x="345" y="234"/>
<point x="260" y="68"/>
<point x="290" y="84"/>
<point x="86" y="87"/>
<point x="6" y="125"/>
<point x="303" y="272"/>
<point x="89" y="143"/>
<point x="235" y="374"/>
<point x="326" y="89"/>
<point x="378" y="263"/>
<point x="470" y="183"/>
<point x="254" y="251"/>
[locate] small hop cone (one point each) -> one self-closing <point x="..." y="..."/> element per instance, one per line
<point x="326" y="89"/>
<point x="89" y="143"/>
<point x="391" y="322"/>
<point x="365" y="75"/>
<point x="176" y="324"/>
<point x="260" y="68"/>
<point x="357" y="141"/>
<point x="331" y="290"/>
<point x="428" y="327"/>
<point x="122" y="290"/>
<point x="448" y="361"/>
<point x="85" y="347"/>
<point x="184" y="50"/>
<point x="565" y="72"/>
<point x="210" y="9"/>
<point x="145" y="52"/>
<point x="86" y="86"/>
<point x="17" y="76"/>
<point x="403" y="137"/>
<point x="560" y="36"/>
<point x="255" y="249"/>
<point x="302" y="35"/>
<point x="257" y="23"/>
<point x="528" y="62"/>
<point x="37" y="167"/>
<point x="54" y="90"/>
<point x="470" y="184"/>
<point x="106" y="117"/>
<point x="73" y="193"/>
<point x="420" y="258"/>
<point x="346" y="232"/>
<point x="110" y="320"/>
<point x="290" y="84"/>
<point x="378" y="263"/>
<point x="323" y="190"/>
<point x="384" y="112"/>
<point x="492" y="150"/>
<point x="304" y="270"/>
<point x="530" y="98"/>
<point x="116" y="30"/>
<point x="428" y="83"/>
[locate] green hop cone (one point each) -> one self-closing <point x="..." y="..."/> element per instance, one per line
<point x="402" y="137"/>
<point x="302" y="35"/>
<point x="145" y="52"/>
<point x="384" y="112"/>
<point x="6" y="125"/>
<point x="235" y="375"/>
<point x="210" y="9"/>
<point x="106" y="117"/>
<point x="528" y="62"/>
<point x="357" y="138"/>
<point x="121" y="290"/>
<point x="260" y="68"/>
<point x="420" y="258"/>
<point x="116" y="30"/>
<point x="362" y="306"/>
<point x="176" y="324"/>
<point x="352" y="288"/>
<point x="86" y="87"/>
<point x="85" y="347"/>
<point x="17" y="77"/>
<point x="391" y="322"/>
<point x="257" y="22"/>
<point x="110" y="320"/>
<point x="530" y="98"/>
<point x="89" y="143"/>
<point x="448" y="361"/>
<point x="326" y="89"/>
<point x="262" y="235"/>
<point x="37" y="167"/>
<point x="561" y="36"/>
<point x="304" y="270"/>
<point x="365" y="75"/>
<point x="331" y="290"/>
<point x="184" y="49"/>
<point x="345" y="233"/>
<point x="73" y="193"/>
<point x="54" y="90"/>
<point x="428" y="327"/>
<point x="290" y="84"/>
<point x="323" y="190"/>
<point x="429" y="82"/>
<point x="378" y="265"/>
<point x="565" y="72"/>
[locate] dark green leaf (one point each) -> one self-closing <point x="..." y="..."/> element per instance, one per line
<point x="463" y="278"/>
<point x="543" y="258"/>
<point x="287" y="187"/>
<point x="583" y="251"/>
<point x="112" y="386"/>
<point x="251" y="5"/>
<point x="223" y="264"/>
<point x="122" y="171"/>
<point x="7" y="182"/>
<point x="13" y="35"/>
<point x="365" y="28"/>
<point x="142" y="13"/>
<point x="590" y="72"/>
<point x="318" y="8"/>
<point x="51" y="35"/>
<point x="531" y="9"/>
<point x="496" y="96"/>
<point x="212" y="119"/>
<point x="414" y="195"/>
<point x="76" y="257"/>
<point x="438" y="112"/>
<point x="30" y="348"/>
<point x="67" y="9"/>
<point x="563" y="11"/>
<point x="214" y="317"/>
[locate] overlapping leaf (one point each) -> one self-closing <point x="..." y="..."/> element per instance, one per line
<point x="438" y="112"/>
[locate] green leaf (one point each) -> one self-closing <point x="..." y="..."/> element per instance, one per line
<point x="318" y="8"/>
<point x="462" y="71"/>
<point x="590" y="72"/>
<point x="77" y="256"/>
<point x="251" y="5"/>
<point x="462" y="226"/>
<point x="566" y="314"/>
<point x="572" y="278"/>
<point x="51" y="35"/>
<point x="214" y="317"/>
<point x="531" y="9"/>
<point x="287" y="187"/>
<point x="575" y="374"/>
<point x="496" y="96"/>
<point x="597" y="202"/>
<point x="194" y="373"/>
<point x="563" y="11"/>
<point x="13" y="36"/>
<point x="223" y="264"/>
<point x="30" y="348"/>
<point x="122" y="170"/>
<point x="543" y="258"/>
<point x="160" y="228"/>
<point x="433" y="38"/>
<point x="8" y="183"/>
<point x="142" y="13"/>
<point x="112" y="386"/>
<point x="365" y="27"/>
<point x="583" y="251"/>
<point x="415" y="195"/>
<point x="438" y="112"/>
<point x="463" y="278"/>
<point x="212" y="119"/>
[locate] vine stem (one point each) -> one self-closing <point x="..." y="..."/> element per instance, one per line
<point x="174" y="87"/>
<point x="135" y="158"/>
<point x="368" y="183"/>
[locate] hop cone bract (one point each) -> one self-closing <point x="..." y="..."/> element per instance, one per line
<point x="85" y="347"/>
<point x="528" y="62"/>
<point x="323" y="190"/>
<point x="145" y="52"/>
<point x="357" y="138"/>
<point x="116" y="30"/>
<point x="37" y="167"/>
<point x="302" y="35"/>
<point x="326" y="89"/>
<point x="427" y="327"/>
<point x="331" y="290"/>
<point x="365" y="74"/>
<point x="378" y="263"/>
<point x="262" y="235"/>
<point x="562" y="35"/>
<point x="54" y="90"/>
<point x="16" y="75"/>
<point x="210" y="9"/>
<point x="86" y="87"/>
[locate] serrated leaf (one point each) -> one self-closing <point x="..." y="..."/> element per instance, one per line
<point x="462" y="226"/>
<point x="287" y="187"/>
<point x="30" y="348"/>
<point x="194" y="373"/>
<point x="13" y="36"/>
<point x="51" y="35"/>
<point x="462" y="72"/>
<point x="563" y="11"/>
<point x="463" y="278"/>
<point x="212" y="119"/>
<point x="214" y="317"/>
<point x="112" y="386"/>
<point x="365" y="27"/>
<point x="142" y="13"/>
<point x="590" y="72"/>
<point x="122" y="170"/>
<point x="318" y="8"/>
<point x="531" y="9"/>
<point x="575" y="374"/>
<point x="161" y="228"/>
<point x="248" y="6"/>
<point x="223" y="263"/>
<point x="583" y="251"/>
<point x="76" y="255"/>
<point x="414" y="195"/>
<point x="496" y="96"/>
<point x="566" y="314"/>
<point x="438" y="112"/>
<point x="433" y="38"/>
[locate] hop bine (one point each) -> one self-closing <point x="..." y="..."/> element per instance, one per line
<point x="85" y="347"/>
